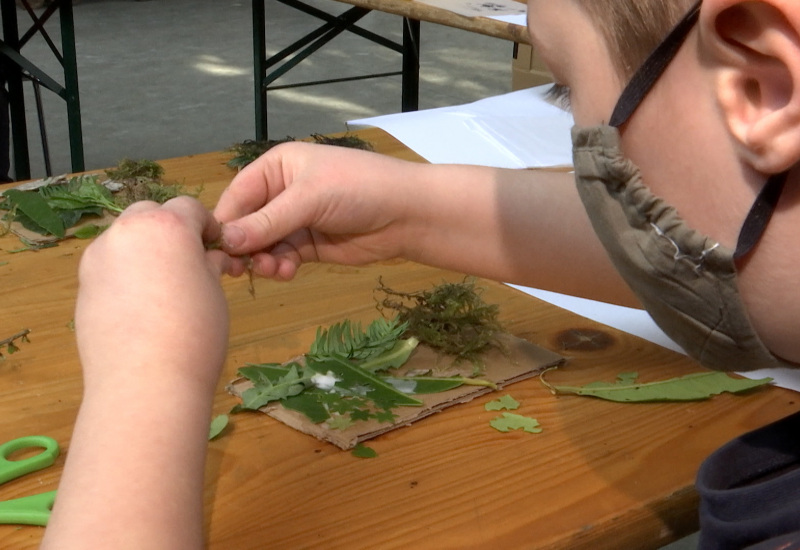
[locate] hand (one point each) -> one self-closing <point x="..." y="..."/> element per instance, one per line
<point x="150" y="296"/>
<point x="152" y="328"/>
<point x="301" y="202"/>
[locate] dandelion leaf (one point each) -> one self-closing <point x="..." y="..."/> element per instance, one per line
<point x="692" y="387"/>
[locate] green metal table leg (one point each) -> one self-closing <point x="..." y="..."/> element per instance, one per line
<point x="71" y="85"/>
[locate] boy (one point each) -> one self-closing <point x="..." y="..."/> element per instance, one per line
<point x="715" y="125"/>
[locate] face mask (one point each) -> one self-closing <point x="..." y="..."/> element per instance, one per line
<point x="686" y="281"/>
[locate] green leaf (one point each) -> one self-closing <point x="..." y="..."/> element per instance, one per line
<point x="217" y="426"/>
<point x="89" y="231"/>
<point x="382" y="393"/>
<point x="292" y="383"/>
<point x="339" y="422"/>
<point x="36" y="208"/>
<point x="393" y="358"/>
<point x="511" y="421"/>
<point x="362" y="451"/>
<point x="348" y="340"/>
<point x="506" y="402"/>
<point x="309" y="404"/>
<point x="692" y="387"/>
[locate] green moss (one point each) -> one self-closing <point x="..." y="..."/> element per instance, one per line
<point x="452" y="318"/>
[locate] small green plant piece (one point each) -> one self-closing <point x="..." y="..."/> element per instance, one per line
<point x="348" y="140"/>
<point x="511" y="421"/>
<point x="249" y="150"/>
<point x="132" y="169"/>
<point x="451" y="318"/>
<point x="506" y="402"/>
<point x="218" y="425"/>
<point x="11" y="343"/>
<point x="362" y="451"/>
<point x="692" y="387"/>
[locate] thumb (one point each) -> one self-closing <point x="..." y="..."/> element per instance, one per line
<point x="261" y="229"/>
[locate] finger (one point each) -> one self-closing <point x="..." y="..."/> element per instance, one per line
<point x="247" y="192"/>
<point x="287" y="213"/>
<point x="197" y="216"/>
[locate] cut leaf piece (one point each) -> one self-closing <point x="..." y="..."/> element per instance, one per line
<point x="506" y="402"/>
<point x="217" y="426"/>
<point x="692" y="387"/>
<point x="511" y="421"/>
<point x="362" y="451"/>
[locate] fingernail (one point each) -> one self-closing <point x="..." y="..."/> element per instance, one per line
<point x="232" y="236"/>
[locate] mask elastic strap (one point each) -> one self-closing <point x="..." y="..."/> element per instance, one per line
<point x="760" y="213"/>
<point x="650" y="71"/>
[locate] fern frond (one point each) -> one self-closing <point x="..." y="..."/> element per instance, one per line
<point x="348" y="340"/>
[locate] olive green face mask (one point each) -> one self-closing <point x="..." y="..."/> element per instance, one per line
<point x="686" y="281"/>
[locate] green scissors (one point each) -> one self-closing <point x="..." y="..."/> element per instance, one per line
<point x="32" y="510"/>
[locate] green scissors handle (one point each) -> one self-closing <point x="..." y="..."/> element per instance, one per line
<point x="35" y="509"/>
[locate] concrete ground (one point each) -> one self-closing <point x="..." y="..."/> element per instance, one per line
<point x="167" y="78"/>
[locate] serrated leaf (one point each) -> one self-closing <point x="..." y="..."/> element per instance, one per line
<point x="292" y="383"/>
<point x="511" y="421"/>
<point x="219" y="423"/>
<point x="362" y="451"/>
<point x="504" y="403"/>
<point x="692" y="387"/>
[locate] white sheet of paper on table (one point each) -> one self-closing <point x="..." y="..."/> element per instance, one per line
<point x="516" y="130"/>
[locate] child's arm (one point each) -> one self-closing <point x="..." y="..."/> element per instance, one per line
<point x="302" y="202"/>
<point x="152" y="329"/>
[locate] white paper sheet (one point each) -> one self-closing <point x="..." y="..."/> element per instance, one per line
<point x="639" y="323"/>
<point x="516" y="130"/>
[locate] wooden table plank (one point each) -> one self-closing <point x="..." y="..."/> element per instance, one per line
<point x="431" y="14"/>
<point x="600" y="475"/>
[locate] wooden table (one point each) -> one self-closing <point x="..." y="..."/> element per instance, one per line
<point x="412" y="13"/>
<point x="600" y="475"/>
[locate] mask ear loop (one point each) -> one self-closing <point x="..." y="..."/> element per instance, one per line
<point x="760" y="213"/>
<point x="652" y="68"/>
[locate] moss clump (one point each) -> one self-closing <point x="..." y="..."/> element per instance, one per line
<point x="141" y="180"/>
<point x="451" y="318"/>
<point x="249" y="150"/>
<point x="135" y="169"/>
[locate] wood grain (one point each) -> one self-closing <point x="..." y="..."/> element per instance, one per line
<point x="600" y="475"/>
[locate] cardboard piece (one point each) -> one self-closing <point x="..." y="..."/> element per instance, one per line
<point x="519" y="361"/>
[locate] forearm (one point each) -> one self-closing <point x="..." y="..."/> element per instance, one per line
<point x="134" y="474"/>
<point x="522" y="226"/>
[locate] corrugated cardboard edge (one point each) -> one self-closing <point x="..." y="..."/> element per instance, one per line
<point x="518" y="361"/>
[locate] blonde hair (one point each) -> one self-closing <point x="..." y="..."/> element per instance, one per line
<point x="633" y="28"/>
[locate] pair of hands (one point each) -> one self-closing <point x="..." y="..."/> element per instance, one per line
<point x="149" y="287"/>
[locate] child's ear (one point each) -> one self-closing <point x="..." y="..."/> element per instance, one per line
<point x="753" y="46"/>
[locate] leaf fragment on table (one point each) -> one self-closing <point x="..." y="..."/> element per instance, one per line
<point x="691" y="387"/>
<point x="511" y="421"/>
<point x="504" y="403"/>
<point x="362" y="451"/>
<point x="218" y="424"/>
